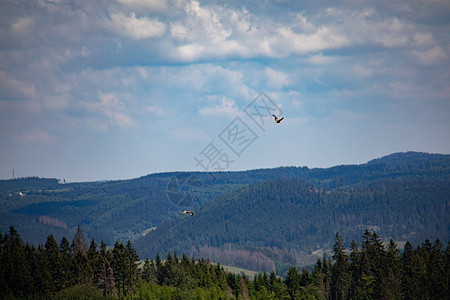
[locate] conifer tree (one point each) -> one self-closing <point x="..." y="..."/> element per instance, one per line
<point x="339" y="271"/>
<point x="292" y="282"/>
<point x="106" y="280"/>
<point x="66" y="262"/>
<point x="54" y="258"/>
<point x="43" y="279"/>
<point x="409" y="283"/>
<point x="355" y="268"/>
<point x="447" y="269"/>
<point x="149" y="271"/>
<point x="132" y="272"/>
<point x="17" y="269"/>
<point x="393" y="272"/>
<point x="94" y="261"/>
<point x="326" y="271"/>
<point x="119" y="265"/>
<point x="79" y="243"/>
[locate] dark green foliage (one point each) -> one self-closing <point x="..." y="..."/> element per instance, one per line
<point x="372" y="271"/>
<point x="293" y="282"/>
<point x="122" y="210"/>
<point x="340" y="276"/>
<point x="290" y="214"/>
<point x="80" y="292"/>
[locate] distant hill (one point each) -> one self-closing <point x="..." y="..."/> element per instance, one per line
<point x="127" y="209"/>
<point x="291" y="215"/>
<point x="405" y="159"/>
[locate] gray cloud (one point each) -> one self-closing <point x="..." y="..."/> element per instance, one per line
<point x="96" y="69"/>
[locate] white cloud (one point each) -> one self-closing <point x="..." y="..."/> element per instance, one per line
<point x="322" y="39"/>
<point x="12" y="87"/>
<point x="362" y="70"/>
<point x="137" y="28"/>
<point x="345" y="115"/>
<point x="35" y="135"/>
<point x="320" y="59"/>
<point x="155" y="110"/>
<point x="433" y="56"/>
<point x="227" y="108"/>
<point x="189" y="134"/>
<point x="111" y="109"/>
<point x="151" y="5"/>
<point x="165" y="63"/>
<point x="206" y="21"/>
<point x="22" y="26"/>
<point x="277" y="79"/>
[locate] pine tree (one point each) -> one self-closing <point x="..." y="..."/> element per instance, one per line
<point x="160" y="276"/>
<point x="66" y="262"/>
<point x="292" y="282"/>
<point x="378" y="265"/>
<point x="339" y="271"/>
<point x="447" y="269"/>
<point x="79" y="242"/>
<point x="53" y="255"/>
<point x="17" y="269"/>
<point x="355" y="268"/>
<point x="393" y="276"/>
<point x="43" y="279"/>
<point x="119" y="265"/>
<point x="94" y="262"/>
<point x="435" y="271"/>
<point x="132" y="272"/>
<point x="106" y="280"/>
<point x="326" y="271"/>
<point x="149" y="271"/>
<point x="409" y="280"/>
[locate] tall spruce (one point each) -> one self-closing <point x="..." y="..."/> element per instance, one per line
<point x="106" y="279"/>
<point x="55" y="261"/>
<point x="132" y="273"/>
<point x="119" y="265"/>
<point x="339" y="272"/>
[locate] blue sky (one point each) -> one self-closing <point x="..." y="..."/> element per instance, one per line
<point x="97" y="90"/>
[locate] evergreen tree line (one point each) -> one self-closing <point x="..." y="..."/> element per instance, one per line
<point x="45" y="272"/>
<point x="372" y="270"/>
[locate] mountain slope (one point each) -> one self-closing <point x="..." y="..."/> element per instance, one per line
<point x="125" y="209"/>
<point x="289" y="214"/>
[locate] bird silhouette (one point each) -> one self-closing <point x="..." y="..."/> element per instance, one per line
<point x="188" y="212"/>
<point x="277" y="120"/>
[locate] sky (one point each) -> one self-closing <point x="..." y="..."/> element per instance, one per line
<point x="118" y="89"/>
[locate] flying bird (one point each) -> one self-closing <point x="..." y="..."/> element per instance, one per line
<point x="188" y="212"/>
<point x="277" y="120"/>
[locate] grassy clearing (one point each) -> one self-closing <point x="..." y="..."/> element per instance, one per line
<point x="237" y="270"/>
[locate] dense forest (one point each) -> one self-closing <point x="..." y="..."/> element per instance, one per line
<point x="265" y="219"/>
<point x="78" y="271"/>
<point x="278" y="220"/>
<point x="127" y="209"/>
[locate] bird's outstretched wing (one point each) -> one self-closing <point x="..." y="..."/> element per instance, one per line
<point x="277" y="120"/>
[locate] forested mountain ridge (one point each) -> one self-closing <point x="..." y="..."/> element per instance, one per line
<point x="279" y="218"/>
<point x="126" y="209"/>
